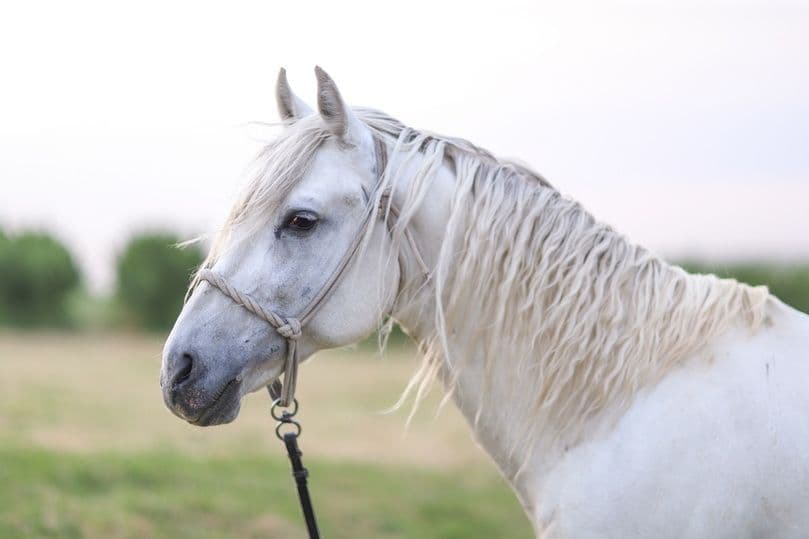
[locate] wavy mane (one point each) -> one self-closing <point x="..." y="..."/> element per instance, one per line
<point x="564" y="309"/>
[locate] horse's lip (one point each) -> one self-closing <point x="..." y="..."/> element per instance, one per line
<point x="214" y="412"/>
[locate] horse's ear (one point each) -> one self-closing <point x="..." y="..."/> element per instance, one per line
<point x="337" y="115"/>
<point x="290" y="106"/>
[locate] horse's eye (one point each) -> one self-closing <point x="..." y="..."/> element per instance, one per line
<point x="301" y="222"/>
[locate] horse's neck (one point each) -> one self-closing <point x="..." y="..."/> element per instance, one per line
<point x="497" y="428"/>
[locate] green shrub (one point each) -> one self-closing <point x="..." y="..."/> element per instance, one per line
<point x="37" y="273"/>
<point x="153" y="274"/>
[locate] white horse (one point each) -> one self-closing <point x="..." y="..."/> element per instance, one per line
<point x="619" y="395"/>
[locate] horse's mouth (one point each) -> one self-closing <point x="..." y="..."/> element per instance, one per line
<point x="223" y="408"/>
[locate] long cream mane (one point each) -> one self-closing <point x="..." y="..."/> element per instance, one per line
<point x="560" y="307"/>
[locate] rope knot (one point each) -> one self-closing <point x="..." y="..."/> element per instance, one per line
<point x="291" y="329"/>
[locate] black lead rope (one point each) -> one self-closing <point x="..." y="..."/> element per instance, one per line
<point x="299" y="472"/>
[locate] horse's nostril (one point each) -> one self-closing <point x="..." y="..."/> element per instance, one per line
<point x="184" y="366"/>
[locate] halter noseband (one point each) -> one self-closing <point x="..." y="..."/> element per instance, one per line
<point x="290" y="327"/>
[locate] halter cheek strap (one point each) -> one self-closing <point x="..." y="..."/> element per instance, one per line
<point x="290" y="327"/>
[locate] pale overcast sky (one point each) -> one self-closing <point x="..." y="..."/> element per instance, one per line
<point x="685" y="124"/>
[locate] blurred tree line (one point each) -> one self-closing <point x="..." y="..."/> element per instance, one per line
<point x="41" y="285"/>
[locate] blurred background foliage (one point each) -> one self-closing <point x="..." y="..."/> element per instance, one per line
<point x="40" y="284"/>
<point x="152" y="276"/>
<point x="37" y="276"/>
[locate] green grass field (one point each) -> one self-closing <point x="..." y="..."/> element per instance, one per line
<point x="87" y="449"/>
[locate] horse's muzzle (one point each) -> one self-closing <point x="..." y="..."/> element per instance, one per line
<point x="192" y="394"/>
